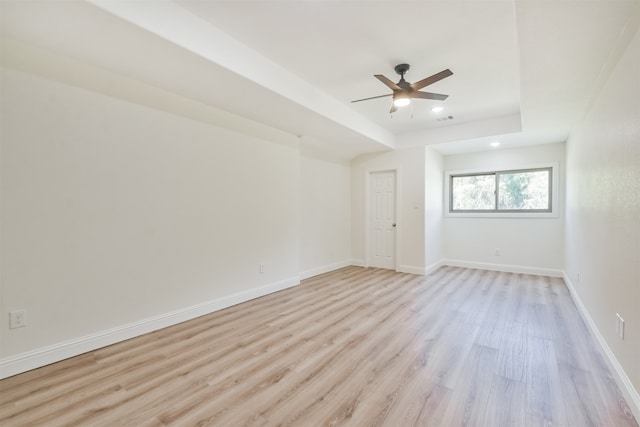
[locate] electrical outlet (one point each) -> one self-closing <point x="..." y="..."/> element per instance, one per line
<point x="261" y="268"/>
<point x="17" y="319"/>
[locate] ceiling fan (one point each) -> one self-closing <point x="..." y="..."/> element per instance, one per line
<point x="403" y="91"/>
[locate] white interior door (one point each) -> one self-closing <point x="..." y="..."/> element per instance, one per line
<point x="382" y="214"/>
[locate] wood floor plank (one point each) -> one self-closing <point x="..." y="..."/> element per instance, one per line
<point x="354" y="347"/>
<point x="544" y="390"/>
<point x="471" y="396"/>
<point x="506" y="405"/>
<point x="512" y="355"/>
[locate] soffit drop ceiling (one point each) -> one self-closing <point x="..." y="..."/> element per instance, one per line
<point x="338" y="46"/>
<point x="523" y="70"/>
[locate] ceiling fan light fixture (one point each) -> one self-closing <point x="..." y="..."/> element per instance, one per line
<point x="401" y="100"/>
<point x="403" y="91"/>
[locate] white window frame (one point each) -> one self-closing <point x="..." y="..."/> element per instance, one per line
<point x="555" y="196"/>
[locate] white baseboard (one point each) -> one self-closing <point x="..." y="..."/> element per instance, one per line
<point x="624" y="383"/>
<point x="324" y="269"/>
<point x="358" y="263"/>
<point x="410" y="269"/>
<point x="23" y="362"/>
<point x="503" y="267"/>
<point x="433" y="267"/>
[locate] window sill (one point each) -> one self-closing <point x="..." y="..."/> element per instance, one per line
<point x="527" y="215"/>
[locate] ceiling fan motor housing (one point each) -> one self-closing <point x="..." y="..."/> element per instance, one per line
<point x="402" y="69"/>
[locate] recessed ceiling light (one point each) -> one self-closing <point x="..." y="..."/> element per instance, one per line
<point x="495" y="144"/>
<point x="437" y="109"/>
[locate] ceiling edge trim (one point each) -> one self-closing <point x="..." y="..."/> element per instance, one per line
<point x="182" y="28"/>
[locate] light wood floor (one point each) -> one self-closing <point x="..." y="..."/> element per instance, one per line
<point x="356" y="347"/>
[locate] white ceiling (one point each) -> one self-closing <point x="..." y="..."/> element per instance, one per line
<point x="524" y="70"/>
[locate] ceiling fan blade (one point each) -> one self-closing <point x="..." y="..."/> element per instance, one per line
<point x="431" y="80"/>
<point x="428" y="95"/>
<point x="391" y="85"/>
<point x="373" y="97"/>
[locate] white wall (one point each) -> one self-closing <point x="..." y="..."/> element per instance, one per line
<point x="434" y="236"/>
<point x="325" y="214"/>
<point x="410" y="195"/>
<point x="113" y="213"/>
<point x="534" y="245"/>
<point x="603" y="211"/>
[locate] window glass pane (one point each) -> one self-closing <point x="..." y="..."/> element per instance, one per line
<point x="475" y="192"/>
<point x="524" y="190"/>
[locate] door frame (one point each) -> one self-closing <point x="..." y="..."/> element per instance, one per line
<point x="367" y="210"/>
